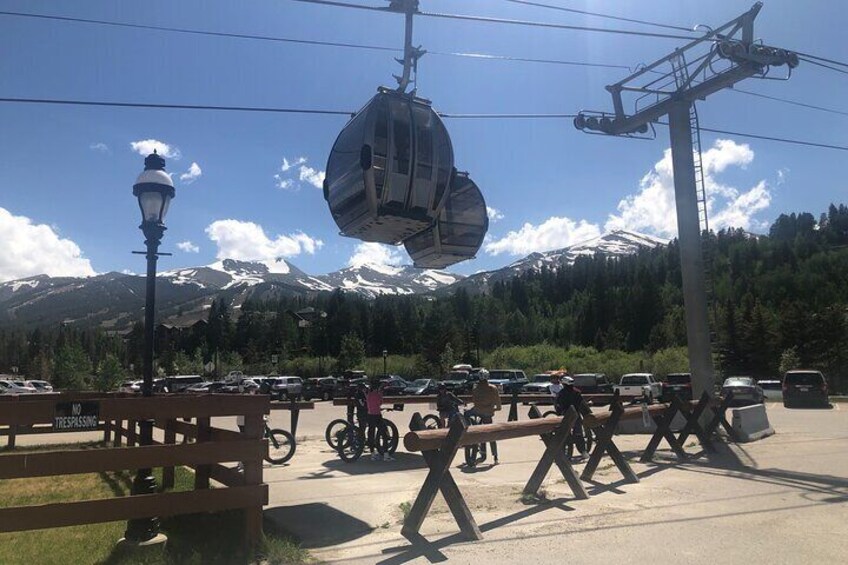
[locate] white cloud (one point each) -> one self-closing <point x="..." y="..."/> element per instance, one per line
<point x="653" y="208"/>
<point x="369" y="253"/>
<point x="192" y="174"/>
<point x="99" y="146"/>
<point x="146" y="146"/>
<point x="553" y="233"/>
<point x="292" y="173"/>
<point x="312" y="176"/>
<point x="290" y="165"/>
<point x="188" y="247"/>
<point x="33" y="249"/>
<point x="247" y="241"/>
<point x="494" y="214"/>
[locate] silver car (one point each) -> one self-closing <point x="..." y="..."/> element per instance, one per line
<point x="745" y="390"/>
<point x="287" y="387"/>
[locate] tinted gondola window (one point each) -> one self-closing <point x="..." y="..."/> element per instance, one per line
<point x="344" y="167"/>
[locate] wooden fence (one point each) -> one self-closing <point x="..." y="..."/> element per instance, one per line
<point x="203" y="448"/>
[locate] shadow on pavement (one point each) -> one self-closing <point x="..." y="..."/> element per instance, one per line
<point x="317" y="524"/>
<point x="365" y="466"/>
<point x="419" y="546"/>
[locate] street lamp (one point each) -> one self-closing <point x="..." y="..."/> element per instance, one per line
<point x="385" y="356"/>
<point x="154" y="190"/>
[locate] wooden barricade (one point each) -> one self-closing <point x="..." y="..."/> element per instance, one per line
<point x="211" y="448"/>
<point x="438" y="447"/>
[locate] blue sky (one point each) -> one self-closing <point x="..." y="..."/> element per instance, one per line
<point x="66" y="172"/>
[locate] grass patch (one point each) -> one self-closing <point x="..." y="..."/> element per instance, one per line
<point x="534" y="498"/>
<point x="405" y="509"/>
<point x="192" y="539"/>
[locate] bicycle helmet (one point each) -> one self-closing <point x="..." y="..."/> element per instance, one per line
<point x="483" y="375"/>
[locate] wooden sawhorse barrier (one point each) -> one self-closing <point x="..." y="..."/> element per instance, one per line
<point x="439" y="447"/>
<point x="692" y="415"/>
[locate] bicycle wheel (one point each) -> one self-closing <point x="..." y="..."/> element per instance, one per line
<point x="351" y="441"/>
<point x="332" y="432"/>
<point x="431" y="422"/>
<point x="281" y="446"/>
<point x="590" y="438"/>
<point x="392" y="437"/>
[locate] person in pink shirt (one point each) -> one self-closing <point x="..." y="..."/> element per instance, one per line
<point x="374" y="403"/>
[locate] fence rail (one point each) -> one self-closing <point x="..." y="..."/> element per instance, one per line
<point x="204" y="448"/>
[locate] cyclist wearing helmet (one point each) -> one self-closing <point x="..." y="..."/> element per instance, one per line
<point x="556" y="384"/>
<point x="486" y="399"/>
<point x="570" y="396"/>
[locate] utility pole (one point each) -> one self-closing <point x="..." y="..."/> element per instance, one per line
<point x="669" y="87"/>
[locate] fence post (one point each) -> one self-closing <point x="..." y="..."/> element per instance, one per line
<point x="13" y="432"/>
<point x="131" y="435"/>
<point x="119" y="432"/>
<point x="107" y="431"/>
<point x="170" y="439"/>
<point x="254" y="428"/>
<point x="201" y="472"/>
<point x="513" y="407"/>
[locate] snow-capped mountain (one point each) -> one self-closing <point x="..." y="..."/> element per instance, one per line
<point x="116" y="300"/>
<point x="615" y="243"/>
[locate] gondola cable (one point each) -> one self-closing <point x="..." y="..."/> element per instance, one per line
<point x="599" y="15"/>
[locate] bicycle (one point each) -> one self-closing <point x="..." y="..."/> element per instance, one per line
<point x="588" y="436"/>
<point x="350" y="440"/>
<point x="281" y="445"/>
<point x="474" y="454"/>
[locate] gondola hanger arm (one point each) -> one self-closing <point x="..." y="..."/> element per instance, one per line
<point x="411" y="54"/>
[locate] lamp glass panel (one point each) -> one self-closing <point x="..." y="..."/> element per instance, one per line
<point x="151" y="205"/>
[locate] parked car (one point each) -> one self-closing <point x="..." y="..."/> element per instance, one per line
<point x="130" y="386"/>
<point x="593" y="383"/>
<point x="179" y="383"/>
<point x="538" y="384"/>
<point x="245" y="386"/>
<point x="745" y="390"/>
<point x="421" y="386"/>
<point x="289" y="388"/>
<point x="805" y="387"/>
<point x="640" y="384"/>
<point x="394" y="385"/>
<point x="322" y="388"/>
<point x="205" y="387"/>
<point x="459" y="381"/>
<point x="16" y="387"/>
<point x="772" y="389"/>
<point x="347" y="383"/>
<point x="507" y="380"/>
<point x="40" y="386"/>
<point x="679" y="384"/>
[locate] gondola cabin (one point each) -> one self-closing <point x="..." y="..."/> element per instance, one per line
<point x="459" y="231"/>
<point x="388" y="171"/>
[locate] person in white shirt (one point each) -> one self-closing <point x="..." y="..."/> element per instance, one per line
<point x="556" y="384"/>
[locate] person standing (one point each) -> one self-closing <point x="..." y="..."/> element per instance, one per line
<point x="556" y="384"/>
<point x="487" y="400"/>
<point x="374" y="405"/>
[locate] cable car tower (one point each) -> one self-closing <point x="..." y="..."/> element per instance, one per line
<point x="670" y="86"/>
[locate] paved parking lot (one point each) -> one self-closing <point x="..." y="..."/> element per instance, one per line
<point x="783" y="499"/>
<point x="780" y="500"/>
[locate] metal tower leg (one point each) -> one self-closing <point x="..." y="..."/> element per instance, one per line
<point x="691" y="254"/>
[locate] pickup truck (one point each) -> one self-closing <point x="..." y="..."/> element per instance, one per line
<point x="640" y="384"/>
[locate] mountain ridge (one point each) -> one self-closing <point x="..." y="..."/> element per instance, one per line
<point x="116" y="300"/>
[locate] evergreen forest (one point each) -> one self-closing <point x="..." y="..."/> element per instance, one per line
<point x="778" y="301"/>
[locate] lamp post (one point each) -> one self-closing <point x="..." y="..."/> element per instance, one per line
<point x="385" y="356"/>
<point x="154" y="190"/>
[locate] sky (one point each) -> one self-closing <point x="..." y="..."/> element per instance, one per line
<point x="248" y="184"/>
